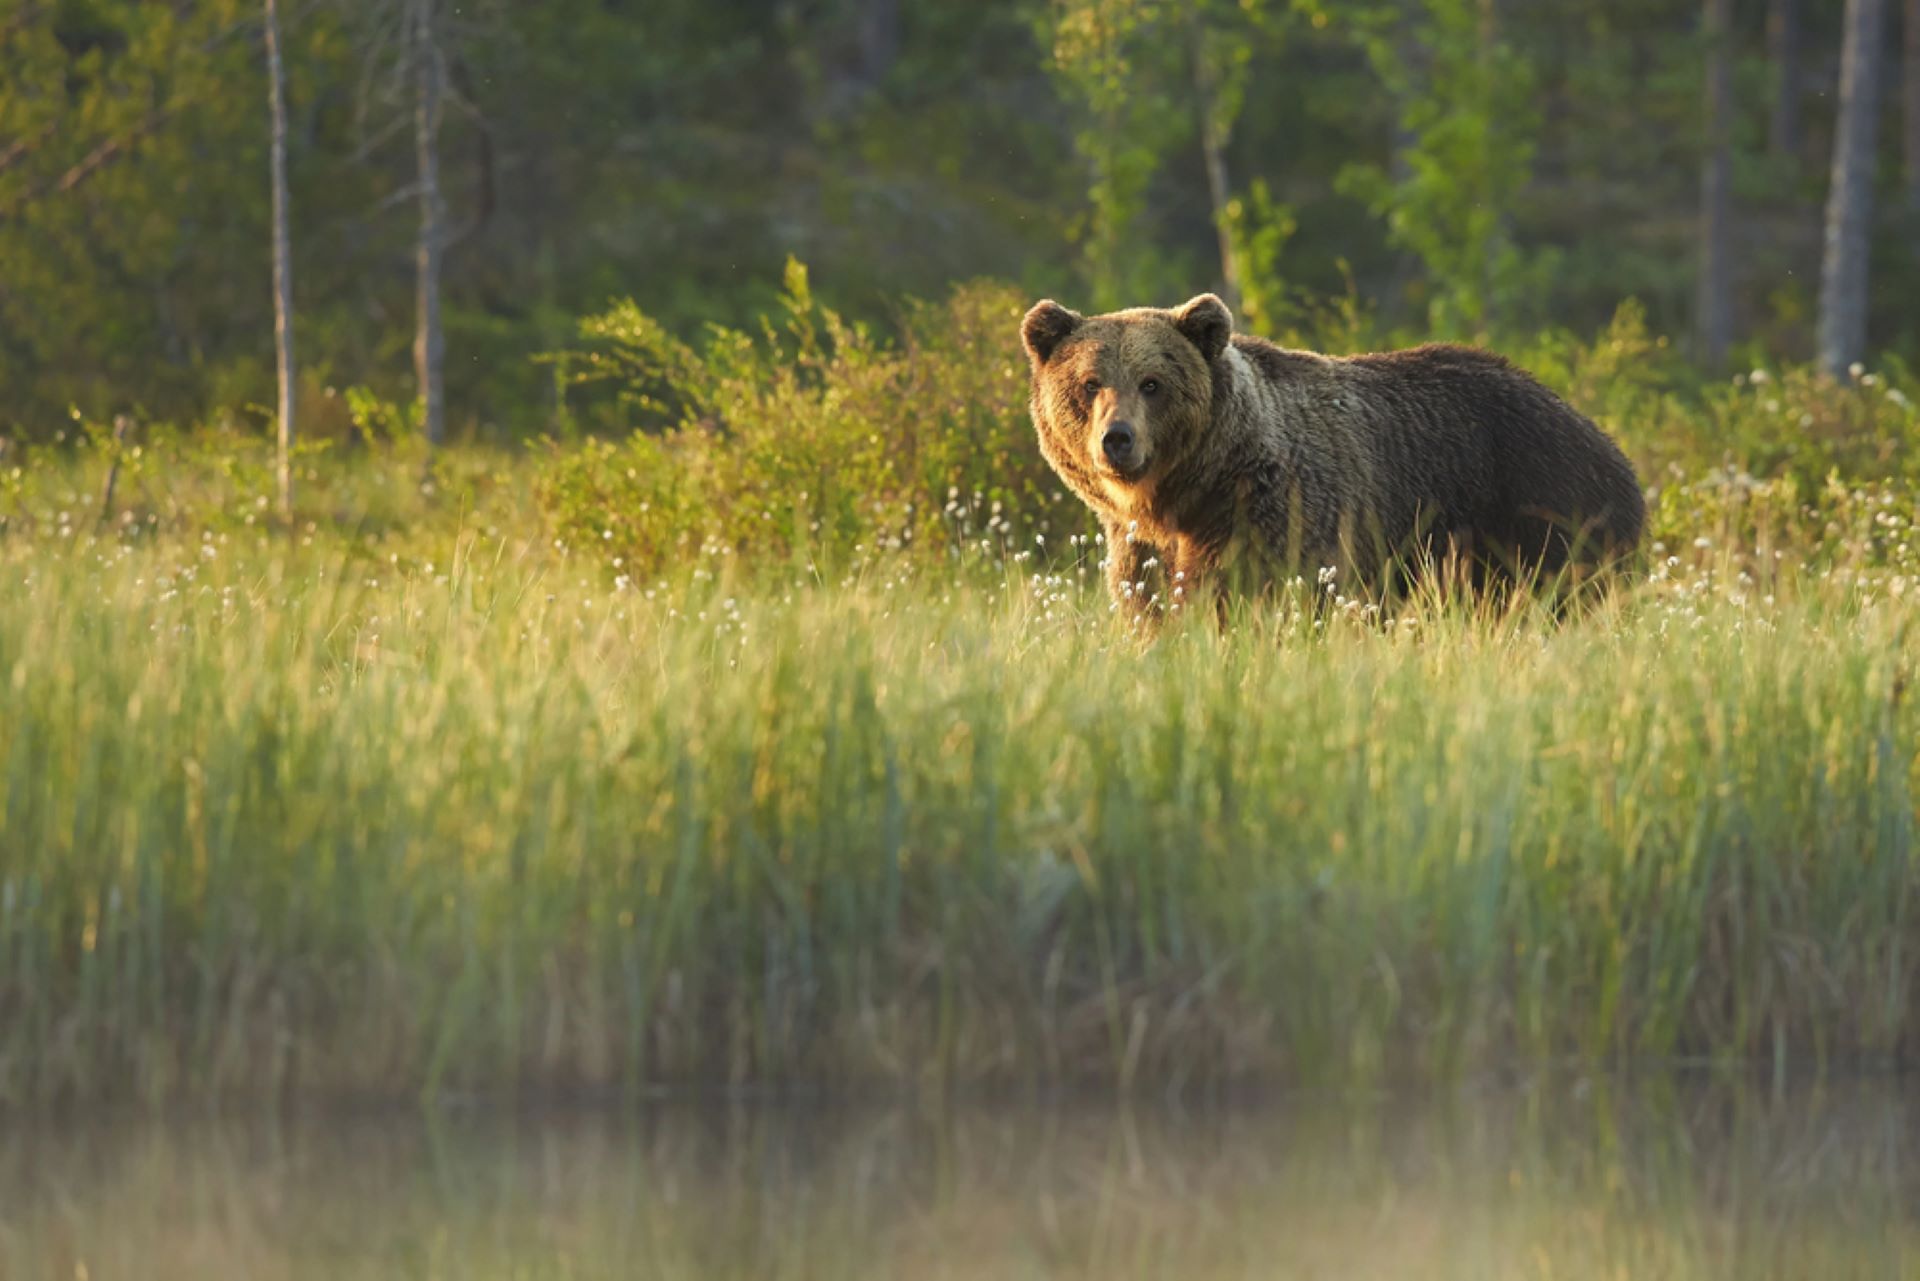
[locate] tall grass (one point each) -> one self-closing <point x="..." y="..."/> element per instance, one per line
<point x="279" y="819"/>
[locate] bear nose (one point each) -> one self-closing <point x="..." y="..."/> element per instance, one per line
<point x="1118" y="442"/>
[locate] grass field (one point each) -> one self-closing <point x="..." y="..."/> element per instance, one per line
<point x="411" y="799"/>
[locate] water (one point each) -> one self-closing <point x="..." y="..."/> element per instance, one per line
<point x="1682" y="1182"/>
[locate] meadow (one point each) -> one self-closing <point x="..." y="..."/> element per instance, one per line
<point x="477" y="780"/>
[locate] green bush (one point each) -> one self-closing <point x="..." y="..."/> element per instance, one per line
<point x="813" y="435"/>
<point x="814" y="441"/>
<point x="1795" y="422"/>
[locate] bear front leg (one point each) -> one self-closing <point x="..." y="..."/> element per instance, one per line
<point x="1127" y="581"/>
<point x="1197" y="582"/>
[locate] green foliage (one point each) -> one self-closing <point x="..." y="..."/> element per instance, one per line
<point x="1794" y="422"/>
<point x="1259" y="229"/>
<point x="1820" y="473"/>
<point x="1468" y="112"/>
<point x="1498" y="172"/>
<point x="1110" y="57"/>
<point x="814" y="438"/>
<point x="376" y="418"/>
<point x="1145" y="78"/>
<point x="113" y="291"/>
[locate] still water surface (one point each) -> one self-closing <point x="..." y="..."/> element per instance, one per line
<point x="1674" y="1181"/>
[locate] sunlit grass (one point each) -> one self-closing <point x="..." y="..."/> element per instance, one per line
<point x="279" y="814"/>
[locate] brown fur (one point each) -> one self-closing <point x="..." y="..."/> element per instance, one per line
<point x="1254" y="455"/>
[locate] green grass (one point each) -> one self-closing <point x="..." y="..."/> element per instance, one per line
<point x="446" y="810"/>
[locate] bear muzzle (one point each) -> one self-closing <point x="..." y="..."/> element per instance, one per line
<point x="1120" y="444"/>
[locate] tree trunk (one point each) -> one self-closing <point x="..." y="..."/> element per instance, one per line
<point x="429" y="343"/>
<point x="1843" y="268"/>
<point x="879" y="39"/>
<point x="282" y="257"/>
<point x="1412" y="53"/>
<point x="1783" y="51"/>
<point x="1215" y="131"/>
<point x="1217" y="190"/>
<point x="1910" y="98"/>
<point x="122" y="427"/>
<point x="1715" y="316"/>
<point x="1502" y="233"/>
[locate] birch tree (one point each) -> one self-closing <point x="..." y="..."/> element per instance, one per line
<point x="1783" y="52"/>
<point x="410" y="45"/>
<point x="429" y="340"/>
<point x="282" y="256"/>
<point x="1715" y="305"/>
<point x="1842" y="336"/>
<point x="1910" y="105"/>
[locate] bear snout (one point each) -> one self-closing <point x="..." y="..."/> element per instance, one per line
<point x="1121" y="446"/>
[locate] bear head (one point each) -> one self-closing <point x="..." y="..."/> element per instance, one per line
<point x="1119" y="398"/>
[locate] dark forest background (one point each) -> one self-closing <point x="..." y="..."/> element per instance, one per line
<point x="1461" y="168"/>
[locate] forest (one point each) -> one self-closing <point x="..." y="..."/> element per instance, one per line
<point x="1451" y="168"/>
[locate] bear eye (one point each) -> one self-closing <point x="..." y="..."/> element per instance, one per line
<point x="1150" y="386"/>
<point x="1091" y="387"/>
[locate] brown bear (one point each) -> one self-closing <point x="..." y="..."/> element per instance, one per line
<point x="1208" y="451"/>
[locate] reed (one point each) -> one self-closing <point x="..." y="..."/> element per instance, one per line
<point x="284" y="816"/>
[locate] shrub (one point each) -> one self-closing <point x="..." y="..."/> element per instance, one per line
<point x="814" y="439"/>
<point x="813" y="434"/>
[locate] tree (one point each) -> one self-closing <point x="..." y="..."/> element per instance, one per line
<point x="1910" y="86"/>
<point x="1218" y="104"/>
<point x="282" y="256"/>
<point x="1100" y="52"/>
<point x="1715" y="307"/>
<point x="1467" y="124"/>
<point x="1222" y="34"/>
<point x="405" y="46"/>
<point x="1849" y="223"/>
<point x="128" y="189"/>
<point x="1783" y="51"/>
<point x="429" y="342"/>
<point x="1144" y="72"/>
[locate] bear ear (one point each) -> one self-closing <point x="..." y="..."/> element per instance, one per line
<point x="1207" y="324"/>
<point x="1045" y="328"/>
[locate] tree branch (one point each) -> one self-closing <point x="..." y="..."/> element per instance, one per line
<point x="92" y="163"/>
<point x="21" y="21"/>
<point x="109" y="150"/>
<point x="24" y="147"/>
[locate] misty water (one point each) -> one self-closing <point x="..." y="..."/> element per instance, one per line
<point x="1592" y="1181"/>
